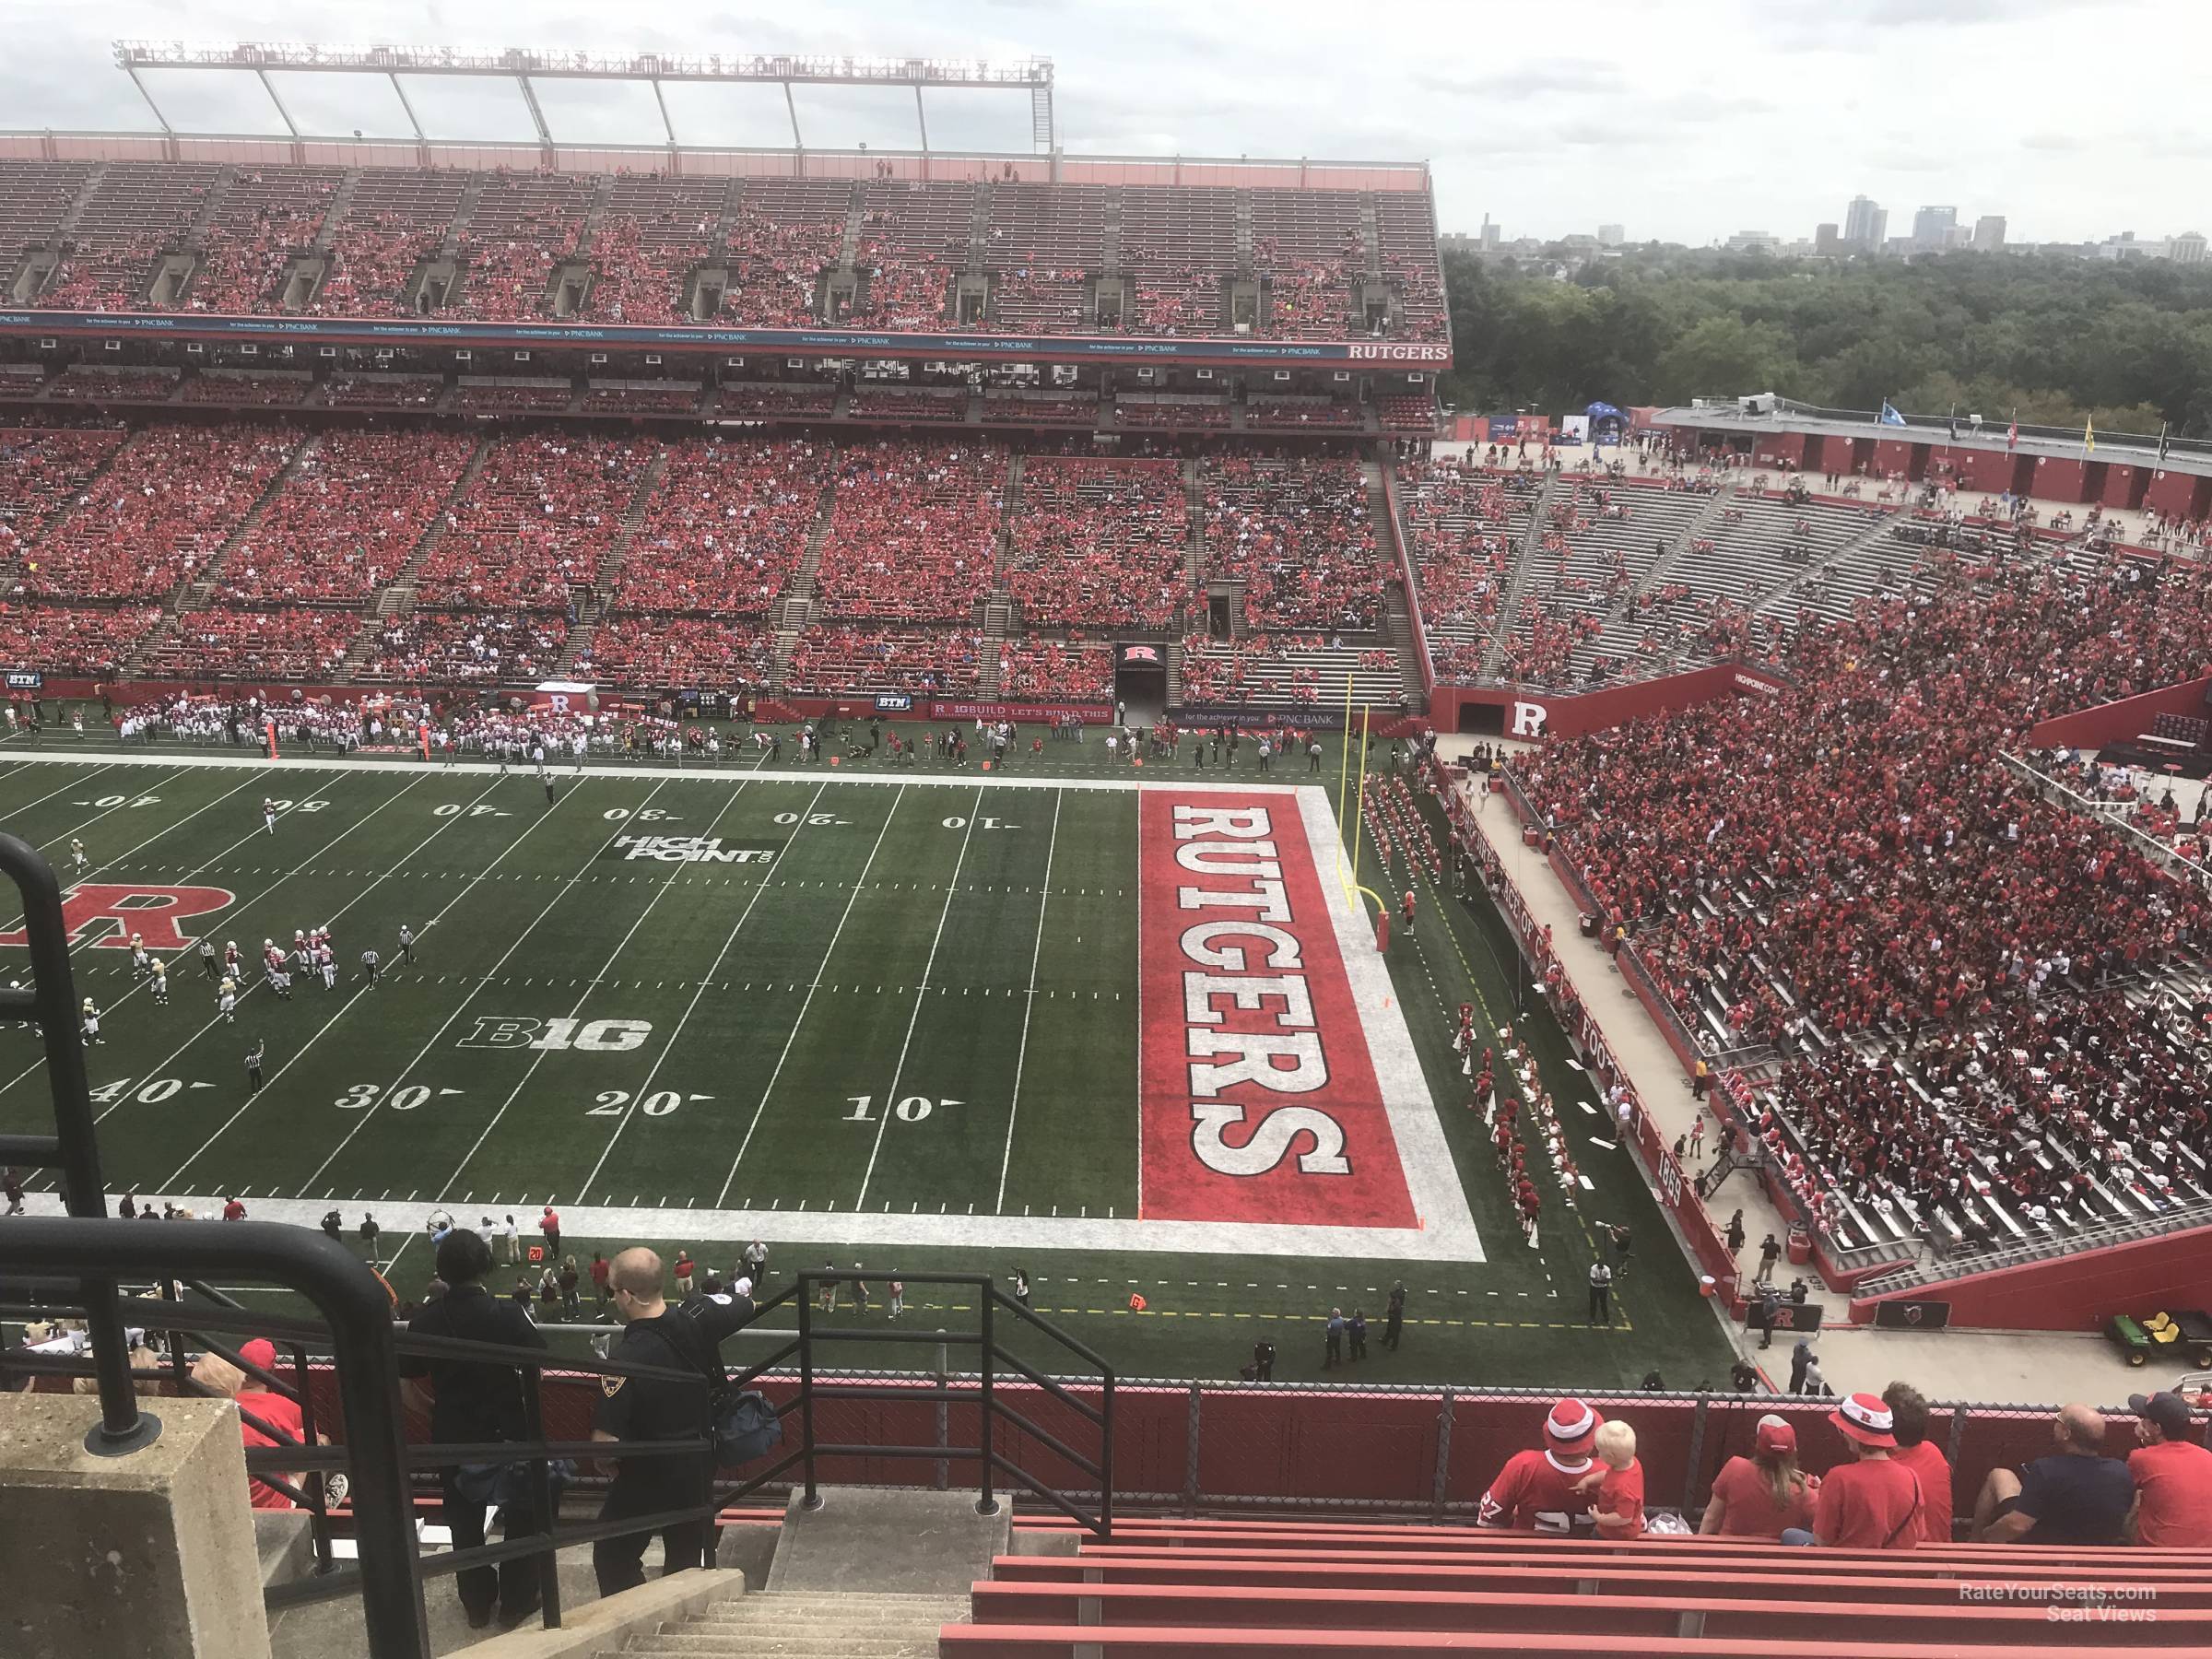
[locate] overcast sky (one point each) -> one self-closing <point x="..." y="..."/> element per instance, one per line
<point x="1686" y="122"/>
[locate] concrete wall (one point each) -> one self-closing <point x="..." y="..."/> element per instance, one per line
<point x="151" y="1556"/>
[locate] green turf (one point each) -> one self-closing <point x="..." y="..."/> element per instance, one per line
<point x="787" y="1023"/>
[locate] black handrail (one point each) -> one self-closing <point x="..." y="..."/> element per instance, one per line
<point x="87" y="1251"/>
<point x="72" y="1147"/>
<point x="990" y="1299"/>
<point x="358" y="1307"/>
<point x="389" y="1576"/>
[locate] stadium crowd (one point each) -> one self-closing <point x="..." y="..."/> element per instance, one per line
<point x="534" y="523"/>
<point x="167" y="500"/>
<point x="1888" y="1485"/>
<point x="1298" y="536"/>
<point x="1098" y="542"/>
<point x="724" y="527"/>
<point x="914" y="533"/>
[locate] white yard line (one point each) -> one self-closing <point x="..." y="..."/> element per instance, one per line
<point x="860" y="883"/>
<point x="24" y="766"/>
<point x="138" y="985"/>
<point x="70" y="877"/>
<point x="180" y="824"/>
<point x="952" y="888"/>
<point x="73" y="828"/>
<point x="1028" y="1008"/>
<point x="645" y="1088"/>
<point x="560" y="892"/>
<point x="589" y="986"/>
<point x="367" y="986"/>
<point x="246" y="991"/>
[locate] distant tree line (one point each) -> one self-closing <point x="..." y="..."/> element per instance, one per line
<point x="2060" y="340"/>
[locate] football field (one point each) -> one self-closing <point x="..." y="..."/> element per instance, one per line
<point x="924" y="1014"/>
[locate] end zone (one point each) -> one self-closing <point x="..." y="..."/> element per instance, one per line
<point x="1278" y="1082"/>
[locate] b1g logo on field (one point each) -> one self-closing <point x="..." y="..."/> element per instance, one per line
<point x="105" y="914"/>
<point x="594" y="1037"/>
<point x="689" y="848"/>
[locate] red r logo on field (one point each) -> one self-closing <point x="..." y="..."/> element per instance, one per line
<point x="152" y="913"/>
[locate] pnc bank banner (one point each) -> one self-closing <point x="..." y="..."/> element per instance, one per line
<point x="431" y="332"/>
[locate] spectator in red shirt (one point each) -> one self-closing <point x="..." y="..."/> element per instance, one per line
<point x="1872" y="1502"/>
<point x="1764" y="1495"/>
<point x="1617" y="1484"/>
<point x="1536" y="1489"/>
<point x="233" y="1210"/>
<point x="260" y="1412"/>
<point x="2172" y="1475"/>
<point x="1908" y="1422"/>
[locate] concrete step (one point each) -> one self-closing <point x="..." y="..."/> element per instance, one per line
<point x="765" y="1609"/>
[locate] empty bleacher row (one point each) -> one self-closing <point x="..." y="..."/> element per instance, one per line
<point x="508" y="245"/>
<point x="1193" y="1589"/>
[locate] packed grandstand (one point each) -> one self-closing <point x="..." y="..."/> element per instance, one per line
<point x="1954" y="1006"/>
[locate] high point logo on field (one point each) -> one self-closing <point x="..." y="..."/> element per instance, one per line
<point x="104" y="914"/>
<point x="689" y="848"/>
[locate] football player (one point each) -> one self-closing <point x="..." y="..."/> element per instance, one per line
<point x="160" y="984"/>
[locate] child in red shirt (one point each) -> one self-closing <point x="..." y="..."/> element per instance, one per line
<point x="1617" y="1483"/>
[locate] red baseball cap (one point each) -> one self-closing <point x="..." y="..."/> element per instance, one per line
<point x="261" y="1351"/>
<point x="1864" y="1418"/>
<point x="1775" y="1437"/>
<point x="1570" y="1428"/>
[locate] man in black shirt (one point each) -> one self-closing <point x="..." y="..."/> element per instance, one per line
<point x="659" y="1408"/>
<point x="473" y="1401"/>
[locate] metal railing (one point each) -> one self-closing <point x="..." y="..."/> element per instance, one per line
<point x="71" y="1267"/>
<point x="992" y="1304"/>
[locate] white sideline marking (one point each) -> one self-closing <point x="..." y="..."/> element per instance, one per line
<point x="1431" y="1177"/>
<point x="693" y="774"/>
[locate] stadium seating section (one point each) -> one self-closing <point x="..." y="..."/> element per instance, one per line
<point x="1098" y="542"/>
<point x="1298" y="535"/>
<point x="533" y="527"/>
<point x="722" y="527"/>
<point x="1950" y="965"/>
<point x="1167" y="1589"/>
<point x="914" y="533"/>
<point x="167" y="499"/>
<point x="739" y="253"/>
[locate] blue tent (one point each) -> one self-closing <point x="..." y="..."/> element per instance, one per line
<point x="1608" y="424"/>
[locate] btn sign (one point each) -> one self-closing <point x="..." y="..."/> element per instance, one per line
<point x="594" y="1037"/>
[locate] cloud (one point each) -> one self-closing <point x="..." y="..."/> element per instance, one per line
<point x="1540" y="77"/>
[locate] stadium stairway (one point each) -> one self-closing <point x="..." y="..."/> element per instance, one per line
<point x="1539" y="516"/>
